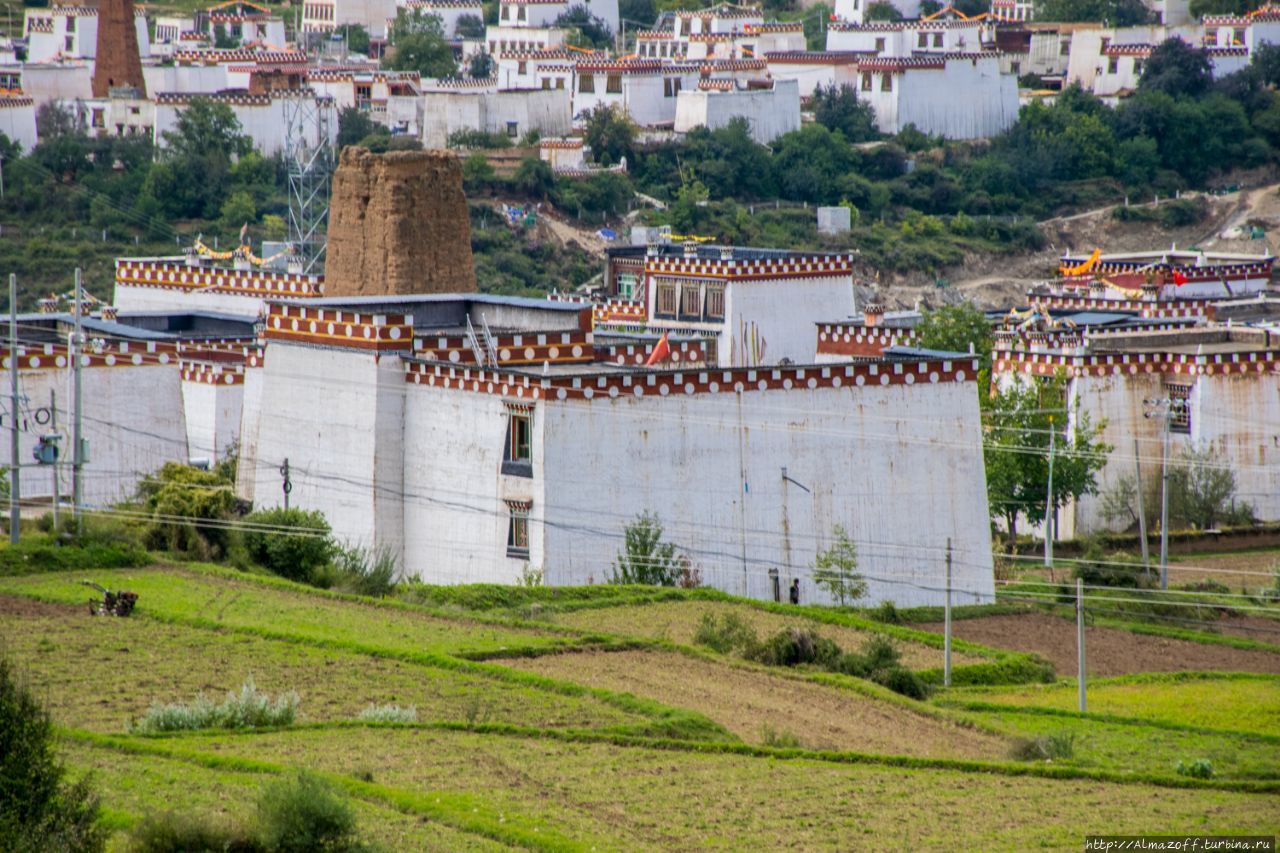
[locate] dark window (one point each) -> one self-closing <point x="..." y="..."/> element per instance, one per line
<point x="937" y="39"/>
<point x="922" y="40"/>
<point x="1179" y="408"/>
<point x="666" y="300"/>
<point x="879" y="45"/>
<point x="613" y="84"/>
<point x="866" y="81"/>
<point x="691" y="302"/>
<point x="518" y="530"/>
<point x="886" y="82"/>
<point x="586" y="83"/>
<point x="715" y="303"/>
<point x="517" y="458"/>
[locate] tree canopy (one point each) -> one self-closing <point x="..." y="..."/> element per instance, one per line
<point x="419" y="44"/>
<point x="610" y="134"/>
<point x="1177" y="69"/>
<point x="837" y="108"/>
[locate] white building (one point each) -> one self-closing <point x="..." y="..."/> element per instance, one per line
<point x="470" y="472"/>
<point x="186" y="283"/>
<point x="71" y="32"/>
<point x="1121" y="67"/>
<point x="445" y="107"/>
<point x="544" y="13"/>
<point x="814" y="69"/>
<point x="958" y="96"/>
<point x="323" y="16"/>
<point x="910" y="38"/>
<point x="261" y="116"/>
<point x="18" y="120"/>
<point x="770" y="107"/>
<point x="1227" y="377"/>
<point x="1175" y="274"/>
<point x="448" y="11"/>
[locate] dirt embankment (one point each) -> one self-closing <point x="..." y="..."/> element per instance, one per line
<point x="747" y="702"/>
<point x="1108" y="651"/>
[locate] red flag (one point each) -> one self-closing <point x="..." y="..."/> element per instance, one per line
<point x="661" y="351"/>
<point x="1178" y="278"/>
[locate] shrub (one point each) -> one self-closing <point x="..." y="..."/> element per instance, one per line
<point x="292" y="543"/>
<point x="725" y="634"/>
<point x="305" y="814"/>
<point x="38" y="811"/>
<point x="902" y="680"/>
<point x="1059" y="746"/>
<point x="389" y="714"/>
<point x="779" y="739"/>
<point x="835" y="570"/>
<point x="886" y="612"/>
<point x="795" y="646"/>
<point x="364" y="571"/>
<point x="173" y="832"/>
<point x="1098" y="568"/>
<point x="645" y="558"/>
<point x="189" y="509"/>
<point x="247" y="709"/>
<point x="1201" y="768"/>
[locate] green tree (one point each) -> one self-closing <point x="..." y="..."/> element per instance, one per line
<point x="882" y="10"/>
<point x="419" y="45"/>
<point x="481" y="66"/>
<point x="610" y="134"/>
<point x="836" y="569"/>
<point x="955" y="328"/>
<point x="207" y="129"/>
<point x="221" y="39"/>
<point x="189" y="509"/>
<point x="1116" y="13"/>
<point x="237" y="211"/>
<point x="1178" y="69"/>
<point x="354" y="125"/>
<point x="837" y="108"/>
<point x="1201" y="487"/>
<point x="38" y="810"/>
<point x="534" y="177"/>
<point x="645" y="558"/>
<point x="1018" y="423"/>
<point x="356" y="37"/>
<point x="638" y="11"/>
<point x="585" y="29"/>
<point x="469" y="27"/>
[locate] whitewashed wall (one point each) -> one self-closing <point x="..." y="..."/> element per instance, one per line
<point x="213" y="415"/>
<point x="969" y="99"/>
<point x="250" y="422"/>
<point x="188" y="79"/>
<point x="337" y="416"/>
<point x="18" y="122"/>
<point x="456" y="520"/>
<point x="133" y="421"/>
<point x="445" y="113"/>
<point x="263" y="123"/>
<point x="135" y="298"/>
<point x="899" y="467"/>
<point x="770" y="112"/>
<point x="57" y="82"/>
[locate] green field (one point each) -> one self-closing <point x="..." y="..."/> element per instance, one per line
<point x="563" y="734"/>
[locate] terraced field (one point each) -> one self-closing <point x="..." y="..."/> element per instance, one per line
<point x="565" y="736"/>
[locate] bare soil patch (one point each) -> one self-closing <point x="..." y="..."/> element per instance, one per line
<point x="747" y="701"/>
<point x="26" y="608"/>
<point x="1108" y="651"/>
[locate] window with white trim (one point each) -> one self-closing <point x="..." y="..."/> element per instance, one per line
<point x="518" y="529"/>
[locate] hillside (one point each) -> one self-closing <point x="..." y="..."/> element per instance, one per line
<point x="575" y="719"/>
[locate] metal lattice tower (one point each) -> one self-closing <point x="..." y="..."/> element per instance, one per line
<point x="310" y="160"/>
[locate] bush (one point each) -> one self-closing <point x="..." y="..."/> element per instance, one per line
<point x="389" y="714"/>
<point x="364" y="571"/>
<point x="902" y="680"/>
<point x="886" y="612"/>
<point x="292" y="543"/>
<point x="795" y="646"/>
<point x="173" y="832"/>
<point x="1098" y="568"/>
<point x="779" y="739"/>
<point x="38" y="811"/>
<point x="1059" y="746"/>
<point x="1201" y="768"/>
<point x="305" y="814"/>
<point x="190" y="510"/>
<point x="725" y="634"/>
<point x="247" y="709"/>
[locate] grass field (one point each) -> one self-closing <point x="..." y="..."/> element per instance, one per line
<point x="564" y="735"/>
<point x="1249" y="704"/>
<point x="678" y="620"/>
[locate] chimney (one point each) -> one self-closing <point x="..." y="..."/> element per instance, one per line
<point x="726" y="253"/>
<point x="872" y="315"/>
<point x="110" y="313"/>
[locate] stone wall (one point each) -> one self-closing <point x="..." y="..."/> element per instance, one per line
<point x="118" y="62"/>
<point x="398" y="225"/>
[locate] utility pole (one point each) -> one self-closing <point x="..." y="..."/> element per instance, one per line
<point x="57" y="498"/>
<point x="1048" y="506"/>
<point x="1142" y="515"/>
<point x="1080" y="640"/>
<point x="1166" y="409"/>
<point x="15" y="478"/>
<point x="288" y="484"/>
<point x="946" y="642"/>
<point x="77" y="435"/>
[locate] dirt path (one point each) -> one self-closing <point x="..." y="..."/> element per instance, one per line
<point x="746" y="702"/>
<point x="1109" y="651"/>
